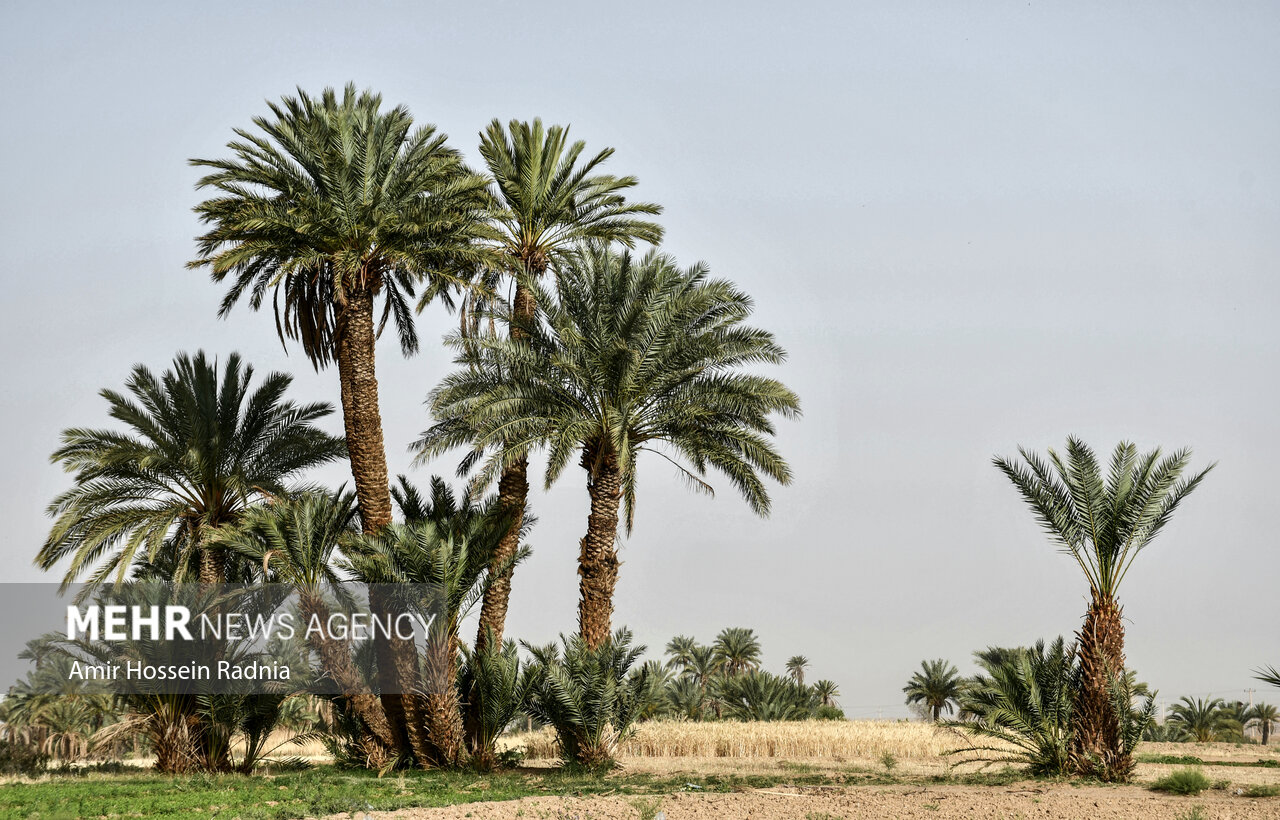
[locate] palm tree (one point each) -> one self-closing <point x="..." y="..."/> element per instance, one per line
<point x="703" y="665"/>
<point x="1234" y="716"/>
<point x="632" y="356"/>
<point x="681" y="648"/>
<point x="451" y="563"/>
<point x="760" y="695"/>
<point x="738" y="650"/>
<point x="296" y="541"/>
<point x="1103" y="522"/>
<point x="937" y="686"/>
<point x="1203" y="719"/>
<point x="548" y="198"/>
<point x="796" y="666"/>
<point x="1023" y="704"/>
<point x="826" y="691"/>
<point x="329" y="206"/>
<point x="201" y="445"/>
<point x="1264" y="714"/>
<point x="1269" y="675"/>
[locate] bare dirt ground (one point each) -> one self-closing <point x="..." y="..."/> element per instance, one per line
<point x="1025" y="800"/>
<point x="1028" y="800"/>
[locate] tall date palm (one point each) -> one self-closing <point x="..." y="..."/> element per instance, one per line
<point x="632" y="357"/>
<point x="331" y="205"/>
<point x="548" y="197"/>
<point x="1103" y="521"/>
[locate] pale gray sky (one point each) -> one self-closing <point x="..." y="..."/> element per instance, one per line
<point x="972" y="225"/>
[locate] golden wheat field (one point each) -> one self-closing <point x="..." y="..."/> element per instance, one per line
<point x="830" y="739"/>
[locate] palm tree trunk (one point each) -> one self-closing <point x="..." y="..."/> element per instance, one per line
<point x="1096" y="744"/>
<point x="443" y="708"/>
<point x="513" y="495"/>
<point x="362" y="420"/>
<point x="360" y="414"/>
<point x="336" y="661"/>
<point x="598" y="559"/>
<point x="213" y="565"/>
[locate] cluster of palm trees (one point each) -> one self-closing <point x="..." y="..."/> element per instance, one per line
<point x="939" y="689"/>
<point x="724" y="680"/>
<point x="1210" y="720"/>
<point x="347" y="218"/>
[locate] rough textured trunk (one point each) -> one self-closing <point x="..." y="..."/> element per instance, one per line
<point x="360" y="414"/>
<point x="397" y="674"/>
<point x="598" y="558"/>
<point x="362" y="420"/>
<point x="213" y="565"/>
<point x="335" y="659"/>
<point x="513" y="494"/>
<point x="1096" y="745"/>
<point x="442" y="707"/>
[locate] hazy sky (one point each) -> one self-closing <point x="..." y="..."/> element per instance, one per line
<point x="972" y="225"/>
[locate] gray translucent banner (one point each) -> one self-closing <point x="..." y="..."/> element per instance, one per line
<point x="155" y="638"/>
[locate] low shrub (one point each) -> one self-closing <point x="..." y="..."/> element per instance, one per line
<point x="1182" y="781"/>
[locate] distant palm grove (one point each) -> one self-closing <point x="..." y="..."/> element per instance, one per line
<point x="577" y="341"/>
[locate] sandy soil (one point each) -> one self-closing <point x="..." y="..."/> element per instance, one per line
<point x="829" y="803"/>
<point x="1027" y="801"/>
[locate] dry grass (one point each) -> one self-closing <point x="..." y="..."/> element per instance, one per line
<point x="831" y="739"/>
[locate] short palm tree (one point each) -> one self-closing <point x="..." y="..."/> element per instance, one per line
<point x="331" y="205"/>
<point x="738" y="650"/>
<point x="588" y="695"/>
<point x="760" y="695"/>
<point x="1024" y="705"/>
<point x="1235" y="716"/>
<point x="201" y="444"/>
<point x="451" y="565"/>
<point x="1265" y="716"/>
<point x="633" y="357"/>
<point x="548" y="197"/>
<point x="796" y="666"/>
<point x="937" y="686"/>
<point x="1204" y="719"/>
<point x="1103" y="521"/>
<point x="297" y="541"/>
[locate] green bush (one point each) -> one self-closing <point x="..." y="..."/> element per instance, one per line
<point x="587" y="695"/>
<point x="1182" y="781"/>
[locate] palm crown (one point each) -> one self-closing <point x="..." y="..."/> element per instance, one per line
<point x="549" y="201"/>
<point x="631" y="355"/>
<point x="1103" y="522"/>
<point x="201" y="446"/>
<point x="336" y="197"/>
